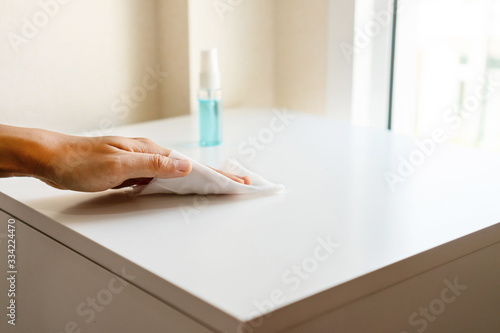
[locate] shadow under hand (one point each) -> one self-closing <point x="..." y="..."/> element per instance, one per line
<point x="123" y="202"/>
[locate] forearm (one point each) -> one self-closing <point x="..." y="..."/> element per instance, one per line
<point x="22" y="151"/>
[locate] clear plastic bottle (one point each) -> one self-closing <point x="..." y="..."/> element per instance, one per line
<point x="209" y="100"/>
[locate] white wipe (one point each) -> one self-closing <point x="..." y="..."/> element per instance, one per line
<point x="204" y="180"/>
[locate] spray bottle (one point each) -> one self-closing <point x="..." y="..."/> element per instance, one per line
<point x="209" y="100"/>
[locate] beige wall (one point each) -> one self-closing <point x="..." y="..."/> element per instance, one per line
<point x="68" y="74"/>
<point x="244" y="37"/>
<point x="301" y="30"/>
<point x="272" y="53"/>
<point x="76" y="72"/>
<point x="173" y="44"/>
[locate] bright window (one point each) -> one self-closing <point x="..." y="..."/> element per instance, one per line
<point x="447" y="70"/>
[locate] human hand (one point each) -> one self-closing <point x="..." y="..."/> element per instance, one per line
<point x="92" y="164"/>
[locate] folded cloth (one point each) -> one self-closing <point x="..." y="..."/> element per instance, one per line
<point x="204" y="180"/>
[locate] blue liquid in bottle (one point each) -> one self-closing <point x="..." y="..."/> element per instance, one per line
<point x="210" y="122"/>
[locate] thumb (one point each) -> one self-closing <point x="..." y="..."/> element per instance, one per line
<point x="142" y="165"/>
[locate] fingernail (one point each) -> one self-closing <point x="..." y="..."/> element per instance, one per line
<point x="182" y="165"/>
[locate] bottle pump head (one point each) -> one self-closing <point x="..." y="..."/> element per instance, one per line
<point x="209" y="71"/>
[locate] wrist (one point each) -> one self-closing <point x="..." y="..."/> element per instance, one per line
<point x="23" y="151"/>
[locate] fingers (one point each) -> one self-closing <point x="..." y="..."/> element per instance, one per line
<point x="246" y="180"/>
<point x="143" y="165"/>
<point x="239" y="179"/>
<point x="149" y="160"/>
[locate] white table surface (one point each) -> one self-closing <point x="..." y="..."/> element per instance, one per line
<point x="237" y="248"/>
